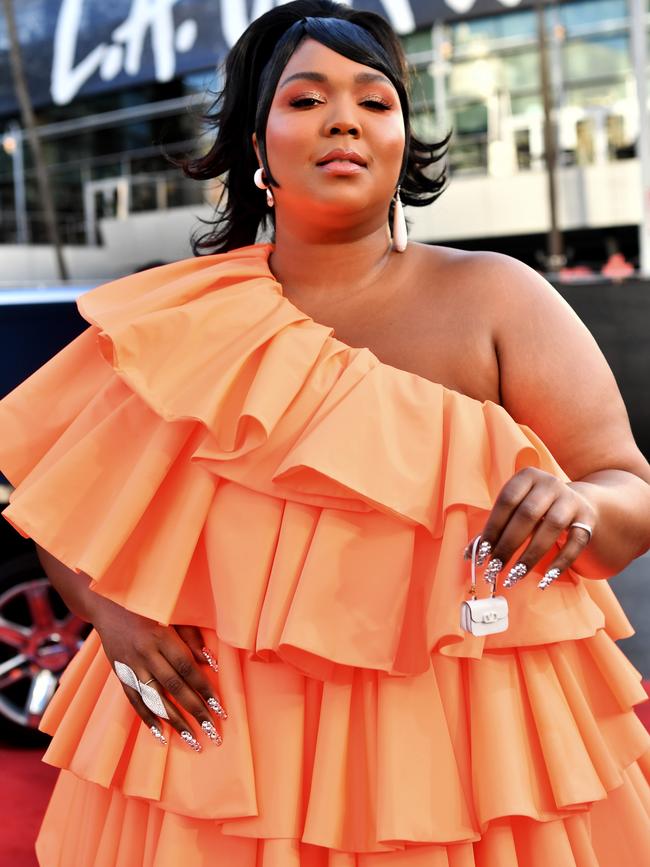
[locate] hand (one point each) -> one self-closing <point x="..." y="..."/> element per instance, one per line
<point x="534" y="502"/>
<point x="171" y="655"/>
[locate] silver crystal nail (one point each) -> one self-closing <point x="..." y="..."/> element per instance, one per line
<point x="155" y="731"/>
<point x="548" y="578"/>
<point x="211" y="732"/>
<point x="515" y="574"/>
<point x="212" y="662"/>
<point x="492" y="570"/>
<point x="483" y="553"/>
<point x="216" y="707"/>
<point x="191" y="741"/>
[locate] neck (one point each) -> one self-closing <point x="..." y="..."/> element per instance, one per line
<point x="319" y="267"/>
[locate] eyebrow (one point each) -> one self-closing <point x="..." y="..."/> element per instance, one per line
<point x="359" y="78"/>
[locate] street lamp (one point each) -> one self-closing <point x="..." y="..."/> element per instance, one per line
<point x="12" y="144"/>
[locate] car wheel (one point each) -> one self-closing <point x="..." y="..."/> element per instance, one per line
<point x="38" y="638"/>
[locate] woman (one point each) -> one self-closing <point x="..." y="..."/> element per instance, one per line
<point x="260" y="475"/>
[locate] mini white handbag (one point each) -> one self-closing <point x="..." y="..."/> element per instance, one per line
<point x="483" y="616"/>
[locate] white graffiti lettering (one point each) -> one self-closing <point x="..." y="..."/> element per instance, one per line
<point x="124" y="53"/>
<point x="155" y="18"/>
<point x="235" y="18"/>
<point x="460" y="7"/>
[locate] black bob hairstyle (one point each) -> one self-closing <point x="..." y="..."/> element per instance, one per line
<point x="253" y="68"/>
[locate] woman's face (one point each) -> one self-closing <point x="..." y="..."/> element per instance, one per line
<point x="325" y="102"/>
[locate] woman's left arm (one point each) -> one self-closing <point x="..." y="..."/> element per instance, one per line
<point x="555" y="380"/>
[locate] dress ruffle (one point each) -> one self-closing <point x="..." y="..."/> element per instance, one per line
<point x="204" y="365"/>
<point x="209" y="454"/>
<point x="372" y="763"/>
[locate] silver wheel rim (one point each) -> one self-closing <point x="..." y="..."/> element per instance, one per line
<point x="38" y="638"/>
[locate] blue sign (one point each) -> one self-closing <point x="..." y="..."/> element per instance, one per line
<point x="82" y="47"/>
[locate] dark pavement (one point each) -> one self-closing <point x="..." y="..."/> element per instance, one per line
<point x="632" y="587"/>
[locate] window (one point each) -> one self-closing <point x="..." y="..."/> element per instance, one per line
<point x="483" y="32"/>
<point x="596" y="57"/>
<point x="418" y="42"/>
<point x="579" y="16"/>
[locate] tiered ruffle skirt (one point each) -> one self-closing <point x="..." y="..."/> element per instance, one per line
<point x="210" y="455"/>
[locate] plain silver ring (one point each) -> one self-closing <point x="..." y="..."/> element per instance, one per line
<point x="150" y="679"/>
<point x="582" y="526"/>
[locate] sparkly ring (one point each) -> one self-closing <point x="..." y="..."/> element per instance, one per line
<point x="149" y="695"/>
<point x="582" y="526"/>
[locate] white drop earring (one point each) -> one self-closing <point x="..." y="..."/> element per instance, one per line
<point x="400" y="236"/>
<point x="258" y="180"/>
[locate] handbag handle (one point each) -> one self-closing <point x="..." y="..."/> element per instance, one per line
<point x="472" y="589"/>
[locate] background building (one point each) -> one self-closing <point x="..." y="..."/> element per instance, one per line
<point x="119" y="88"/>
<point x="117" y="85"/>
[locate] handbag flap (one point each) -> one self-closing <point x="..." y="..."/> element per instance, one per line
<point x="488" y="610"/>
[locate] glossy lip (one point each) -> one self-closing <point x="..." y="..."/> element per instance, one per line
<point x="340" y="155"/>
<point x="341" y="167"/>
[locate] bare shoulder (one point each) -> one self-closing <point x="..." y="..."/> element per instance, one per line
<point x="432" y="259"/>
<point x="466" y="275"/>
<point x="553" y="376"/>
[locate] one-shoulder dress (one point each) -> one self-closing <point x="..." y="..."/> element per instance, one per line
<point x="211" y="455"/>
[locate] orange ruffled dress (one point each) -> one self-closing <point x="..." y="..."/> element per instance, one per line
<point x="209" y="454"/>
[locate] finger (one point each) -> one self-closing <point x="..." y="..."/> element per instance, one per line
<point x="193" y="637"/>
<point x="175" y="671"/>
<point x="181" y="661"/>
<point x="577" y="541"/>
<point x="161" y="678"/>
<point x="173" y="683"/>
<point x="176" y="719"/>
<point x="519" y="506"/>
<point x="505" y="504"/>
<point x="544" y="534"/>
<point x="144" y="691"/>
<point x="152" y="722"/>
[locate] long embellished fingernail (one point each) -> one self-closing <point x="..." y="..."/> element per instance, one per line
<point x="216" y="707"/>
<point x="548" y="578"/>
<point x="515" y="574"/>
<point x="492" y="570"/>
<point x="212" y="662"/>
<point x="191" y="741"/>
<point x="484" y="550"/>
<point x="155" y="731"/>
<point x="211" y="732"/>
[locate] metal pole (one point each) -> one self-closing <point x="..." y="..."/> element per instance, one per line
<point x="20" y="197"/>
<point x="640" y="59"/>
<point x="555" y="250"/>
<point x="438" y="70"/>
<point x="31" y="131"/>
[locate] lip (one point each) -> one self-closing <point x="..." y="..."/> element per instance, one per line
<point x="342" y="156"/>
<point x="341" y="167"/>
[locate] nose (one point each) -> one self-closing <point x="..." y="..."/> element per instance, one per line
<point x="342" y="118"/>
<point x="344" y="128"/>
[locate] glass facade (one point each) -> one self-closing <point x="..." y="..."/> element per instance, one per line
<point x="482" y="79"/>
<point x="88" y="166"/>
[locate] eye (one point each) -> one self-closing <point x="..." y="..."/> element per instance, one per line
<point x="379" y="104"/>
<point x="305" y="101"/>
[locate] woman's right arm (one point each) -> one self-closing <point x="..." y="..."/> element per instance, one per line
<point x="73" y="588"/>
<point x="171" y="655"/>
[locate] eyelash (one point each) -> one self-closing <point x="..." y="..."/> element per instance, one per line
<point x="375" y="103"/>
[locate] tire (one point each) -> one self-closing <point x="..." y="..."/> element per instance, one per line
<point x="38" y="638"/>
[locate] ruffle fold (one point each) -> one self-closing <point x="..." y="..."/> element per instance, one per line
<point x="199" y="393"/>
<point x="114" y="831"/>
<point x="209" y="454"/>
<point x="372" y="763"/>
